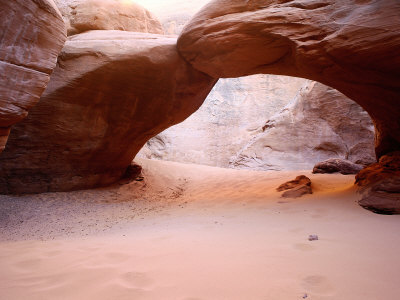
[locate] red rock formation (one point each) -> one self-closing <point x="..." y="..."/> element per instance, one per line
<point x="110" y="92"/>
<point x="379" y="185"/>
<point x="84" y="15"/>
<point x="32" y="35"/>
<point x="298" y="187"/>
<point x="352" y="46"/>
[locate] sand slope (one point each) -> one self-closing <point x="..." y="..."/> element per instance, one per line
<point x="194" y="232"/>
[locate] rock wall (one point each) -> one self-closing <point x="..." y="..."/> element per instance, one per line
<point x="245" y="129"/>
<point x="232" y="114"/>
<point x="32" y="34"/>
<point x="320" y="123"/>
<point x="84" y="15"/>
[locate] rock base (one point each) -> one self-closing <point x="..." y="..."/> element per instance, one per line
<point x="379" y="185"/>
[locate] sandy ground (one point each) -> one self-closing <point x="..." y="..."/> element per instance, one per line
<point x="191" y="232"/>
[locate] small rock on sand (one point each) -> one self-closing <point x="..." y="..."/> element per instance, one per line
<point x="298" y="187"/>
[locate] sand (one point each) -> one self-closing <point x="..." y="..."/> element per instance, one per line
<point x="193" y="232"/>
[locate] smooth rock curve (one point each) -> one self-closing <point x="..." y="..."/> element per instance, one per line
<point x="110" y="92"/>
<point x="352" y="46"/>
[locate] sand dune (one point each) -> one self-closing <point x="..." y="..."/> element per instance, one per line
<point x="195" y="232"/>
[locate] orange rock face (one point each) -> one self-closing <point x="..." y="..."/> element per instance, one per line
<point x="32" y="35"/>
<point x="352" y="46"/>
<point x="110" y="92"/>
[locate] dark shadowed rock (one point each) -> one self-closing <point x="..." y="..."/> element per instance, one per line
<point x="379" y="185"/>
<point x="110" y="92"/>
<point x="32" y="34"/>
<point x="336" y="165"/>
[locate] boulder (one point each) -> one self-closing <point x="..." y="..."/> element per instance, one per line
<point x="379" y="185"/>
<point x="110" y="92"/>
<point x="298" y="187"/>
<point x="299" y="180"/>
<point x="32" y="35"/>
<point x="352" y="46"/>
<point x="337" y="165"/>
<point x="85" y="15"/>
<point x="320" y="123"/>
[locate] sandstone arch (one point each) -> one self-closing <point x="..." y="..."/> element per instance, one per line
<point x="352" y="46"/>
<point x="110" y="92"/>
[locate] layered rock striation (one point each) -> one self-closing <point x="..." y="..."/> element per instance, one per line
<point x="32" y="35"/>
<point x="110" y="92"/>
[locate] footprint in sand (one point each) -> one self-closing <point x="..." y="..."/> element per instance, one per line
<point x="296" y="230"/>
<point x="304" y="247"/>
<point x="136" y="279"/>
<point x="29" y="263"/>
<point x="318" y="284"/>
<point x="51" y="253"/>
<point x="117" y="257"/>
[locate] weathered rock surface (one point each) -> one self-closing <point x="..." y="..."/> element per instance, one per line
<point x="110" y="92"/>
<point x="352" y="46"/>
<point x="337" y="165"/>
<point x="32" y="35"/>
<point x="173" y="14"/>
<point x="85" y="15"/>
<point x="233" y="113"/>
<point x="298" y="187"/>
<point x="320" y="123"/>
<point x="379" y="185"/>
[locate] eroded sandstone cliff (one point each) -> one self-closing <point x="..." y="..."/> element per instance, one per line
<point x="32" y="34"/>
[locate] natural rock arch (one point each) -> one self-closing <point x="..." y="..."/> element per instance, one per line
<point x="352" y="46"/>
<point x="110" y="92"/>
